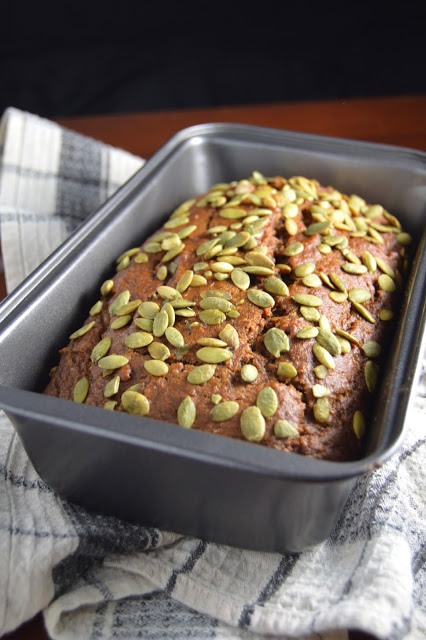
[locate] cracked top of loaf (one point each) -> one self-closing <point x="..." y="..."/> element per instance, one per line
<point x="261" y="311"/>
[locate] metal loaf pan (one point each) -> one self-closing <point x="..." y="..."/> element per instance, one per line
<point x="156" y="473"/>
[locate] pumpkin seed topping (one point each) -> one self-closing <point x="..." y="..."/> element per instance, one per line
<point x="201" y="374"/>
<point x="321" y="372"/>
<point x="317" y="227"/>
<point x="232" y="213"/>
<point x="119" y="301"/>
<point x="358" y="424"/>
<point x="230" y="336"/>
<point x="260" y="298"/>
<point x="168" y="293"/>
<point x="312" y="280"/>
<point x="257" y="270"/>
<point x="364" y="312"/>
<point x="110" y="405"/>
<point x="304" y="269"/>
<point x="371" y="349"/>
<point x="370" y="375"/>
<point x="286" y="370"/>
<point x="130" y="307"/>
<point x="141" y="258"/>
<point x="112" y="387"/>
<point x="329" y="341"/>
<point x="354" y="269"/>
<point x="290" y="210"/>
<point x="276" y="341"/>
<point x="267" y="402"/>
<point x="148" y="309"/>
<point x="293" y="249"/>
<point x="144" y="323"/>
<point x="185" y="281"/>
<point x="175" y="337"/>
<point x="307" y="300"/>
<point x="113" y="361"/>
<point x="216" y="303"/>
<point x="82" y="331"/>
<point x="249" y="373"/>
<point x="199" y="281"/>
<point x="186" y="413"/>
<point x="211" y="342"/>
<point x="322" y="410"/>
<point x="216" y="398"/>
<point x="404" y="239"/>
<point x="96" y="309"/>
<point x="107" y="287"/>
<point x="224" y="411"/>
<point x="311" y="314"/>
<point x="386" y="283"/>
<point x="386" y="314"/>
<point x="359" y="295"/>
<point x="214" y="355"/>
<point x="323" y="356"/>
<point x="158" y="351"/>
<point x="156" y="367"/>
<point x="319" y="391"/>
<point x="160" y="324"/>
<point x="135" y="403"/>
<point x="284" y="429"/>
<point x="81" y="390"/>
<point x="275" y="286"/>
<point x="259" y="259"/>
<point x="338" y="296"/>
<point x="100" y="349"/>
<point x="307" y="332"/>
<point x="240" y="279"/>
<point x="252" y="424"/>
<point x="212" y="316"/>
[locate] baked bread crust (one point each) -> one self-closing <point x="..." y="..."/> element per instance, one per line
<point x="259" y="311"/>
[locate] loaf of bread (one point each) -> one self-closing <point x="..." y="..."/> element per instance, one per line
<point x="260" y="311"/>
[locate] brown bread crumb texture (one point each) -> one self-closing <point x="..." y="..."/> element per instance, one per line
<point x="259" y="311"/>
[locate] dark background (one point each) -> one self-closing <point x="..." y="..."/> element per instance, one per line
<point x="67" y="59"/>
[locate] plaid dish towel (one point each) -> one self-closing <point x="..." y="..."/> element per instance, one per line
<point x="99" y="577"/>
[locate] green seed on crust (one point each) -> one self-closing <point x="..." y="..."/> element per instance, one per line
<point x="240" y="279"/>
<point x="156" y="367"/>
<point x="121" y="321"/>
<point x="81" y="390"/>
<point x="286" y="370"/>
<point x="135" y="403"/>
<point x="276" y="341"/>
<point x="119" y="301"/>
<point x="358" y="424"/>
<point x="130" y="307"/>
<point x="97" y="308"/>
<point x="371" y="349"/>
<point x="107" y="287"/>
<point x="224" y="411"/>
<point x="252" y="424"/>
<point x="148" y="309"/>
<point x="230" y="336"/>
<point x="160" y="324"/>
<point x="307" y="332"/>
<point x="370" y="375"/>
<point x="201" y="374"/>
<point x="100" y="349"/>
<point x="214" y="355"/>
<point x="249" y="372"/>
<point x="322" y="410"/>
<point x="113" y="361"/>
<point x="267" y="402"/>
<point x="284" y="429"/>
<point x="275" y="286"/>
<point x="158" y="351"/>
<point x="212" y="316"/>
<point x="110" y="405"/>
<point x="307" y="300"/>
<point x="323" y="356"/>
<point x="186" y="413"/>
<point x="112" y="387"/>
<point x="260" y="298"/>
<point x="175" y="337"/>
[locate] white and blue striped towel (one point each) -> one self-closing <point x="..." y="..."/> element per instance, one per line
<point x="99" y="577"/>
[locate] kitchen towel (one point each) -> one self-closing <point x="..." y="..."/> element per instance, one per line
<point x="99" y="577"/>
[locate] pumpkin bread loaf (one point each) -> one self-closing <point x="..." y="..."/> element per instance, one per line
<point x="259" y="311"/>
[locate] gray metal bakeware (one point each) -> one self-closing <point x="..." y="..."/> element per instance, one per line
<point x="155" y="473"/>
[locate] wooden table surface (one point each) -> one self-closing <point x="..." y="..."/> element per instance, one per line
<point x="399" y="120"/>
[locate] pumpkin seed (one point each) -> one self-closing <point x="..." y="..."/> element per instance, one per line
<point x="258" y="271"/>
<point x="152" y="247"/>
<point x="211" y="342"/>
<point x="162" y="273"/>
<point x="186" y="413"/>
<point x="100" y="349"/>
<point x="181" y="303"/>
<point x="119" y="301"/>
<point x="323" y="356"/>
<point x="276" y="341"/>
<point x="338" y="296"/>
<point x="290" y="210"/>
<point x="386" y="283"/>
<point x="214" y="355"/>
<point x="348" y="336"/>
<point x="329" y="341"/>
<point x="141" y="258"/>
<point x="249" y="373"/>
<point x="312" y="280"/>
<point x="317" y="227"/>
<point x="158" y="351"/>
<point x="224" y="411"/>
<point x="230" y="336"/>
<point x="324" y="249"/>
<point x="321" y="372"/>
<point x="171" y="242"/>
<point x="311" y="314"/>
<point x="370" y="375"/>
<point x="160" y="324"/>
<point x="215" y="293"/>
<point x="252" y="424"/>
<point x="96" y="309"/>
<point x="307" y="300"/>
<point x="135" y="403"/>
<point x="216" y="398"/>
<point x="81" y="390"/>
<point x="183" y="208"/>
<point x="175" y="337"/>
<point x="358" y="424"/>
<point x="167" y="307"/>
<point x="304" y="269"/>
<point x="130" y="307"/>
<point x="404" y="239"/>
<point x="240" y="279"/>
<point x="110" y="405"/>
<point x="293" y="249"/>
<point x="319" y="391"/>
<point x="284" y="429"/>
<point x="291" y="227"/>
<point x="144" y="323"/>
<point x="216" y="303"/>
<point x="198" y="281"/>
<point x="345" y="345"/>
<point x="322" y="410"/>
<point x="286" y="370"/>
<point x="238" y="240"/>
<point x="354" y="269"/>
<point x="324" y="323"/>
<point x="212" y="316"/>
<point x="307" y="332"/>
<point x="260" y="298"/>
<point x="113" y="361"/>
<point x="364" y="312"/>
<point x="359" y="295"/>
<point x="186" y="231"/>
<point x="256" y="258"/>
<point x="276" y="286"/>
<point x="156" y="367"/>
<point x="82" y="331"/>
<point x="186" y="313"/>
<point x="201" y="374"/>
<point x="112" y="387"/>
<point x="267" y="402"/>
<point x="232" y="213"/>
<point x="371" y="349"/>
<point x="338" y="283"/>
<point x="148" y="309"/>
<point x="386" y="314"/>
<point x="107" y="287"/>
<point x="168" y="293"/>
